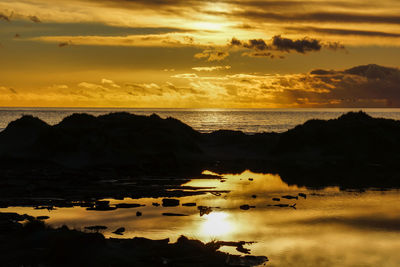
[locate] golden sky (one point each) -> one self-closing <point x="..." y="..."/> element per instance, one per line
<point x="200" y="54"/>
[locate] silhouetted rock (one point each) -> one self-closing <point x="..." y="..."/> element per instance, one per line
<point x="36" y="244"/>
<point x="138" y="214"/>
<point x="128" y="205"/>
<point x="284" y="205"/>
<point x="350" y="151"/>
<point x="246" y="207"/>
<point x="96" y="228"/>
<point x="42" y="218"/>
<point x="170" y="202"/>
<point x="204" y="210"/>
<point x="189" y="204"/>
<point x="119" y="231"/>
<point x="303" y="195"/>
<point x="290" y="197"/>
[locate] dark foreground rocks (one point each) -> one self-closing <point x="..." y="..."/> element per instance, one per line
<point x="32" y="243"/>
<point x="354" y="150"/>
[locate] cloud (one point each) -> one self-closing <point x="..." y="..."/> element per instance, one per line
<point x="211" y="68"/>
<point x="93" y="86"/>
<point x="319" y="17"/>
<point x="110" y="83"/>
<point x="280" y="44"/>
<point x="212" y="55"/>
<point x="361" y="86"/>
<point x="35" y="19"/>
<point x="257" y="44"/>
<point x="344" y="32"/>
<point x="152" y="89"/>
<point x="301" y="46"/>
<point x="142" y="40"/>
<point x="186" y="76"/>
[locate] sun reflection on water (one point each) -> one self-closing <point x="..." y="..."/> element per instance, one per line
<point x="217" y="224"/>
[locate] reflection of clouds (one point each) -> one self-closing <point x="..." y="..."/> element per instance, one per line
<point x="381" y="222"/>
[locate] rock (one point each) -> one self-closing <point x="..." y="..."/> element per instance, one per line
<point x="290" y="197"/>
<point x="119" y="231"/>
<point x="204" y="210"/>
<point x="189" y="204"/>
<point x="96" y="228"/>
<point x="42" y="217"/>
<point x="170" y="202"/>
<point x="246" y="207"/>
<point x="138" y="213"/>
<point x="303" y="195"/>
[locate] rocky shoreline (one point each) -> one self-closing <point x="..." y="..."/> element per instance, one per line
<point x="26" y="241"/>
<point x="354" y="150"/>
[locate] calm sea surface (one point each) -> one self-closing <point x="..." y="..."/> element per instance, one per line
<point x="327" y="228"/>
<point x="207" y="120"/>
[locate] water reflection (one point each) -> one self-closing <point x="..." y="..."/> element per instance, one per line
<point x="217" y="225"/>
<point x="328" y="228"/>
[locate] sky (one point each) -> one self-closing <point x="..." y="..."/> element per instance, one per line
<point x="200" y="54"/>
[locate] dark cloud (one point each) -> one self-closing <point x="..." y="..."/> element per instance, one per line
<point x="256" y="44"/>
<point x="317" y="17"/>
<point x="35" y="19"/>
<point x="322" y="72"/>
<point x="181" y="7"/>
<point x="344" y="32"/>
<point x="362" y="86"/>
<point x="242" y="4"/>
<point x="301" y="46"/>
<point x="374" y="71"/>
<point x="284" y="5"/>
<point x="334" y="46"/>
<point x="280" y="44"/>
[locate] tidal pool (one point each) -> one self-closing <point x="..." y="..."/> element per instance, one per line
<point x="327" y="228"/>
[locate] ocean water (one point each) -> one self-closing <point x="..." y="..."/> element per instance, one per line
<point x="206" y="120"/>
<point x="327" y="228"/>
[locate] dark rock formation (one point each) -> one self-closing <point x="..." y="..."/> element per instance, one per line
<point x="354" y="150"/>
<point x="170" y="202"/>
<point x="36" y="244"/>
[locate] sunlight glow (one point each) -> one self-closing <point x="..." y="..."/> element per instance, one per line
<point x="207" y="26"/>
<point x="216" y="224"/>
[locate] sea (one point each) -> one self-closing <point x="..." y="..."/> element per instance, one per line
<point x="206" y="120"/>
<point x="320" y="228"/>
